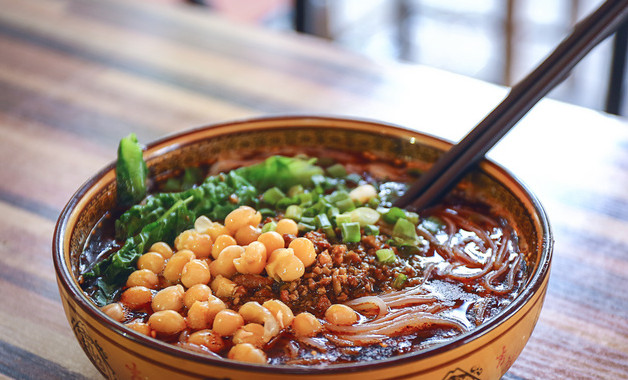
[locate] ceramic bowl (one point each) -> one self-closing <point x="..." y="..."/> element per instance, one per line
<point x="484" y="353"/>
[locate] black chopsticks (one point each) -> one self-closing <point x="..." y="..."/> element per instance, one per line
<point x="452" y="165"/>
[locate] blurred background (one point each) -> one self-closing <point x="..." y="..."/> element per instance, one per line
<point x="498" y="41"/>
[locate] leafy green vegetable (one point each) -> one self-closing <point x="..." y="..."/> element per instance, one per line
<point x="114" y="270"/>
<point x="131" y="171"/>
<point x="337" y="171"/>
<point x="191" y="176"/>
<point x="213" y="198"/>
<point x="281" y="171"/>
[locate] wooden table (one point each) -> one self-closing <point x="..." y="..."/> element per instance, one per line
<point x="77" y="75"/>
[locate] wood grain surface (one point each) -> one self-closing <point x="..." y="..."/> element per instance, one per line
<point x="77" y="75"/>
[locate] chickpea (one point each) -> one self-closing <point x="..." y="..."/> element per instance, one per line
<point x="253" y="260"/>
<point x="223" y="265"/>
<point x="140" y="327"/>
<point x="306" y="324"/>
<point x="247" y="234"/>
<point x="197" y="315"/>
<point x="143" y="277"/>
<point x="200" y="244"/>
<point x="222" y="242"/>
<point x="256" y="219"/>
<point x="167" y="322"/>
<point x="272" y="241"/>
<point x="115" y="311"/>
<point x="304" y="250"/>
<point x="254" y="312"/>
<point x="215" y="305"/>
<point x="152" y="261"/>
<point x="195" y="272"/>
<point x="283" y="265"/>
<point x="245" y="352"/>
<point x="170" y="298"/>
<point x="202" y="313"/>
<point x="198" y="292"/>
<point x="216" y="229"/>
<point x="242" y="216"/>
<point x="341" y="315"/>
<point x="282" y="313"/>
<point x="252" y="333"/>
<point x="163" y="249"/>
<point x="287" y="226"/>
<point x="174" y="266"/>
<point x="135" y="297"/>
<point x="227" y="322"/>
<point x="223" y="287"/>
<point x="208" y="339"/>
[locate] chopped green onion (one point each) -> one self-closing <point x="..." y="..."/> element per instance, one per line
<point x="294" y="212"/>
<point x="337" y="171"/>
<point x="404" y="229"/>
<point x="353" y="177"/>
<point x="345" y="205"/>
<point x="374" y="202"/>
<point x="319" y="183"/>
<point x="273" y="195"/>
<point x="304" y="227"/>
<point x="308" y="220"/>
<point x="386" y="256"/>
<point x="295" y="190"/>
<point x="350" y="232"/>
<point x="270" y="226"/>
<point x="305" y="198"/>
<point x="332" y="212"/>
<point x="342" y="219"/>
<point x="399" y="281"/>
<point x="266" y="212"/>
<point x="324" y="224"/>
<point x="287" y="201"/>
<point x="394" y="214"/>
<point x="337" y="196"/>
<point x="371" y="229"/>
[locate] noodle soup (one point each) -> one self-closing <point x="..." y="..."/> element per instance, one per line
<point x="303" y="261"/>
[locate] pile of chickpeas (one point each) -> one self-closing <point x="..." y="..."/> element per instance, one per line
<point x="181" y="289"/>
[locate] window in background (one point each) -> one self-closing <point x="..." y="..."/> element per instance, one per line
<point x="494" y="40"/>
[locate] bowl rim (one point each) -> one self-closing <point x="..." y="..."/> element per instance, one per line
<point x="67" y="281"/>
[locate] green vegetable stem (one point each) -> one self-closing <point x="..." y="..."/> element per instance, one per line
<point x="131" y="172"/>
